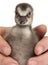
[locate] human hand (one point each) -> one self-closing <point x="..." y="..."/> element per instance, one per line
<point x="42" y="46"/>
<point x="5" y="49"/>
<point x="7" y="60"/>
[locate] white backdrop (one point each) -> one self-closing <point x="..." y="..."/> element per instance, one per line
<point x="7" y="8"/>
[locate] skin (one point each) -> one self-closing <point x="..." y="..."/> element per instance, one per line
<point x="41" y="47"/>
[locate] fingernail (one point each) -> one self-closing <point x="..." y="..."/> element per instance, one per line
<point x="39" y="49"/>
<point x="32" y="63"/>
<point x="3" y="49"/>
<point x="6" y="49"/>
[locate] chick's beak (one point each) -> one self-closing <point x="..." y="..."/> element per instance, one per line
<point x="22" y="19"/>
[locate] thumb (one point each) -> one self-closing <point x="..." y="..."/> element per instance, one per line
<point x="40" y="30"/>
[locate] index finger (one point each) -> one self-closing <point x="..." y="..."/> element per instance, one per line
<point x="4" y="47"/>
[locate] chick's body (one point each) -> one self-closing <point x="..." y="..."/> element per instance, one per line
<point x="22" y="41"/>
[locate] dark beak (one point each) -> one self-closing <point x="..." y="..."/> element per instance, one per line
<point x="22" y="19"/>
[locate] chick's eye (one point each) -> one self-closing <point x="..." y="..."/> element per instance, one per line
<point x="17" y="14"/>
<point x="28" y="15"/>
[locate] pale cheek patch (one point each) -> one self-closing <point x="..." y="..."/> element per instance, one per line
<point x="29" y="21"/>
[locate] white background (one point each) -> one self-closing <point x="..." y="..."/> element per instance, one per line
<point x="7" y="8"/>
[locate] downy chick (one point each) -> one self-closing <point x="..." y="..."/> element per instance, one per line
<point x="21" y="37"/>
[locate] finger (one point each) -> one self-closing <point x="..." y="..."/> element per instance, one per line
<point x="40" y="60"/>
<point x="4" y="47"/>
<point x="4" y="30"/>
<point x="40" y="30"/>
<point x="42" y="46"/>
<point x="7" y="61"/>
